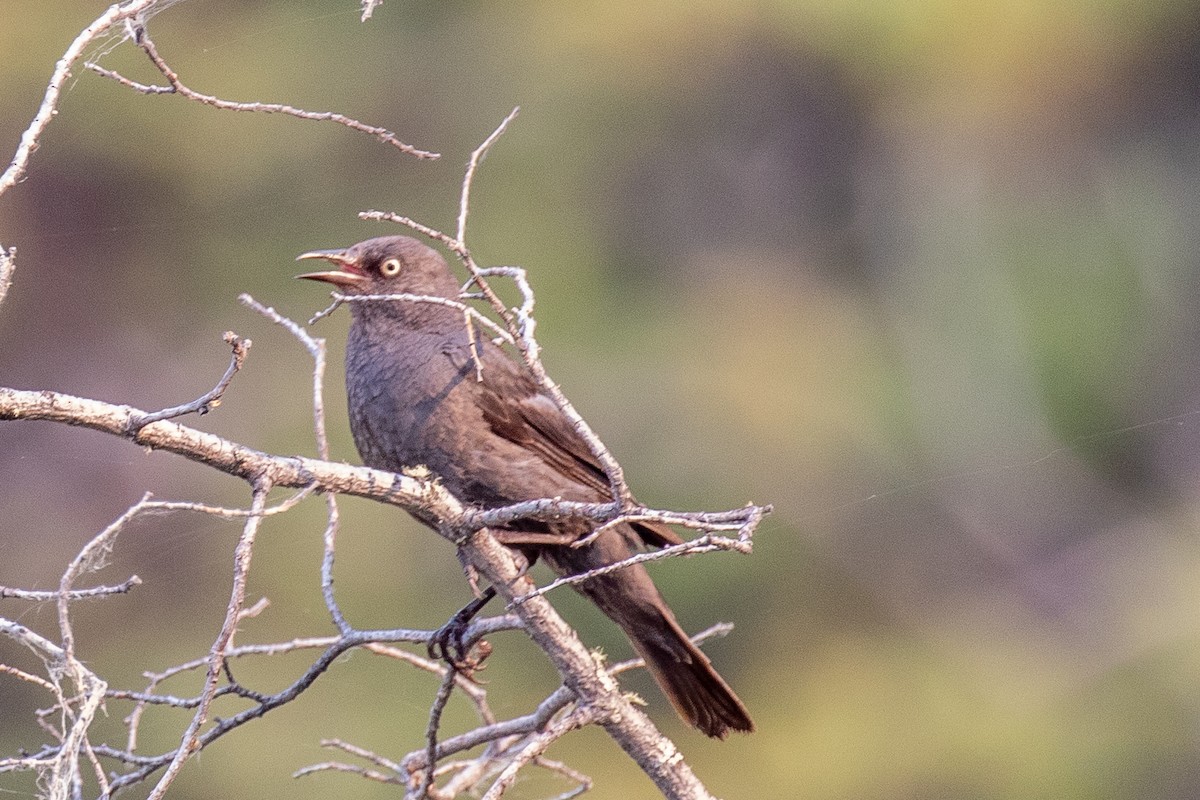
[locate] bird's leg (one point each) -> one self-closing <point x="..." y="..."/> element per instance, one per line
<point x="448" y="643"/>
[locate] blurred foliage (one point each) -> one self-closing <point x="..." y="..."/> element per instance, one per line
<point x="921" y="274"/>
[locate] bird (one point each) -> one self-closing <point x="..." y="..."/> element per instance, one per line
<point x="424" y="389"/>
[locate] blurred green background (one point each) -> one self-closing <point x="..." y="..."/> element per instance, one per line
<point x="921" y="274"/>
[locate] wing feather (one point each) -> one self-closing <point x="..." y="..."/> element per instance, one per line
<point x="516" y="409"/>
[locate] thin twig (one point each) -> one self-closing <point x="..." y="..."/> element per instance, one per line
<point x="529" y="724"/>
<point x="117" y="12"/>
<point x="368" y="8"/>
<point x="707" y="543"/>
<point x="473" y="164"/>
<point x="73" y="594"/>
<point x="176" y="86"/>
<point x="518" y="726"/>
<point x="266" y="703"/>
<point x="424" y="298"/>
<point x="363" y="753"/>
<point x="556" y="509"/>
<point x="209" y="400"/>
<point x="339" y="766"/>
<point x="431" y="730"/>
<point x="583" y="781"/>
<point x="190" y="742"/>
<point x="389" y="216"/>
<point x="316" y="348"/>
<point x="25" y="676"/>
<point x="513" y="744"/>
<point x="536" y="746"/>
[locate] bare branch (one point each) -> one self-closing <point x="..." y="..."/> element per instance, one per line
<point x="74" y="594"/>
<point x="42" y="647"/>
<point x="556" y="509"/>
<point x="390" y="776"/>
<point x="596" y="691"/>
<point x="210" y="400"/>
<point x="702" y="544"/>
<point x="507" y="735"/>
<point x="116" y="13"/>
<point x="467" y="310"/>
<point x="431" y="730"/>
<point x="316" y="349"/>
<point x="476" y="157"/>
<point x="536" y="746"/>
<point x="589" y="694"/>
<point x="516" y="727"/>
<point x="338" y="766"/>
<point x="389" y="216"/>
<point x="586" y="679"/>
<point x="176" y="86"/>
<point x="354" y="750"/>
<point x="333" y="648"/>
<point x="583" y="781"/>
<point x="230" y="457"/>
<point x="241" y="569"/>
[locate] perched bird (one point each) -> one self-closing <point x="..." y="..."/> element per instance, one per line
<point x="495" y="438"/>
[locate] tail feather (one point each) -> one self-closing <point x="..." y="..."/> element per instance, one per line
<point x="700" y="695"/>
<point x="698" y="692"/>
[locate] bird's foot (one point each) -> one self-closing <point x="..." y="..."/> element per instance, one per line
<point x="449" y="642"/>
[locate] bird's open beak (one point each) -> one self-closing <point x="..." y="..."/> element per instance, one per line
<point x="347" y="274"/>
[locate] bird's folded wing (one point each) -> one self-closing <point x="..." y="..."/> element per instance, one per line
<point x="516" y="409"/>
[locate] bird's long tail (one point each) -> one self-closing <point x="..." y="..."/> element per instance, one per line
<point x="686" y="676"/>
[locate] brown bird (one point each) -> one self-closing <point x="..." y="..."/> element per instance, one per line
<point x="415" y="398"/>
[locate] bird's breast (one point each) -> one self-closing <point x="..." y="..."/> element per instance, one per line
<point x="400" y="389"/>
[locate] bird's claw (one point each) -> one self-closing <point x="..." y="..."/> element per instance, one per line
<point x="449" y="642"/>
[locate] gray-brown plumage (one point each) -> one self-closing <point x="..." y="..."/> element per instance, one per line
<point x="415" y="399"/>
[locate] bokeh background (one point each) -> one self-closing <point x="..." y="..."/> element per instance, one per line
<point x="921" y="274"/>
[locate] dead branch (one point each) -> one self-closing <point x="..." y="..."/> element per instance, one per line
<point x="211" y="399"/>
<point x="116" y="13"/>
<point x="316" y="349"/>
<point x="230" y="457"/>
<point x="216" y="661"/>
<point x="74" y="594"/>
<point x="176" y="86"/>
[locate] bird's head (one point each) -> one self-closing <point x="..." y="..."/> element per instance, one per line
<point x="385" y="265"/>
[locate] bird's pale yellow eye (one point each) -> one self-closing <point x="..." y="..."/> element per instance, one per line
<point x="390" y="268"/>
